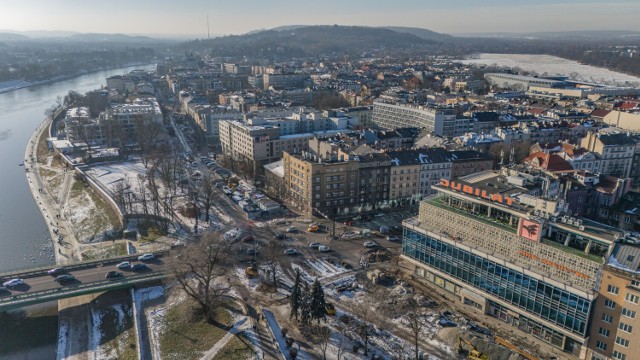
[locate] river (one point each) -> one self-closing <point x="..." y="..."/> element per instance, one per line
<point x="554" y="65"/>
<point x="24" y="238"/>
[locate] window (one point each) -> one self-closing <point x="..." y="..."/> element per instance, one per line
<point x="612" y="289"/>
<point x="625" y="327"/>
<point x="604" y="332"/>
<point x="604" y="212"/>
<point x="619" y="356"/>
<point x="607" y="318"/>
<point x="610" y="304"/>
<point x="633" y="282"/>
<point x="622" y="341"/>
<point x="628" y="313"/>
<point x="632" y="298"/>
<point x="600" y="345"/>
<point x="627" y="219"/>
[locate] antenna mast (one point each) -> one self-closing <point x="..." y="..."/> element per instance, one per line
<point x="208" y="36"/>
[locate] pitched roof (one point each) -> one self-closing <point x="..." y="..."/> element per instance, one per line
<point x="551" y="162"/>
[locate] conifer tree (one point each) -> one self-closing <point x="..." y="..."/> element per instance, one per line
<point x="296" y="297"/>
<point x="318" y="304"/>
<point x="305" y="305"/>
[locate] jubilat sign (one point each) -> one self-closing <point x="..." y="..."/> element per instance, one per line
<point x="476" y="192"/>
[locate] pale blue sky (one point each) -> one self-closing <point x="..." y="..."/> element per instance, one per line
<point x="240" y="16"/>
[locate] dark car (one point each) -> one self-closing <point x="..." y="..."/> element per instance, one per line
<point x="139" y="267"/>
<point x="57" y="271"/>
<point x="113" y="275"/>
<point x="65" y="278"/>
<point x="280" y="237"/>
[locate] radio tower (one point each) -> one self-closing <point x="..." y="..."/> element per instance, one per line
<point x="208" y="37"/>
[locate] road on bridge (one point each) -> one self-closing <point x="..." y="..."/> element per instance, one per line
<point x="92" y="273"/>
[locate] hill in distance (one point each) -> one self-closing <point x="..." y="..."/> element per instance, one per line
<point x="312" y="40"/>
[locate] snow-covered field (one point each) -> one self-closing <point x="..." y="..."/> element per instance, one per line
<point x="89" y="223"/>
<point x="555" y="66"/>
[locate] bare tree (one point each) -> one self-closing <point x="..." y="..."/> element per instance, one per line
<point x="416" y="323"/>
<point x="147" y="131"/>
<point x="273" y="255"/>
<point x="365" y="311"/>
<point x="321" y="336"/>
<point x="207" y="192"/>
<point x="196" y="268"/>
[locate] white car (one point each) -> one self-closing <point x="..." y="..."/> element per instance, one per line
<point x="393" y="238"/>
<point x="13" y="282"/>
<point x="290" y="252"/>
<point x="146" y="257"/>
<point x="291" y="229"/>
<point x="323" y="248"/>
<point x="124" y="265"/>
<point x="370" y="244"/>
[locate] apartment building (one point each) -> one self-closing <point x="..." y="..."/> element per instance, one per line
<point x="616" y="319"/>
<point x="439" y="121"/>
<point x="616" y="152"/>
<point x="80" y="128"/>
<point x="259" y="144"/>
<point x="467" y="162"/>
<point x="328" y="185"/>
<point x="492" y="244"/>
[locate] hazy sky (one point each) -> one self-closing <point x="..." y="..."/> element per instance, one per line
<point x="240" y="16"/>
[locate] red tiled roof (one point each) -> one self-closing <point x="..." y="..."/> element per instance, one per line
<point x="551" y="162"/>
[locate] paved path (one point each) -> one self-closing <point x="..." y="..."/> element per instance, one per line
<point x="237" y="327"/>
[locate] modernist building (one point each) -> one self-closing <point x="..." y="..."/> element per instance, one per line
<point x="520" y="82"/>
<point x="487" y="239"/>
<point x="616" y="319"/>
<point x="439" y="121"/>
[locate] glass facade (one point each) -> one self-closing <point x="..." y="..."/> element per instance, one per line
<point x="535" y="297"/>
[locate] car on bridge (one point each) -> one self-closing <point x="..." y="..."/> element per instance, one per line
<point x="57" y="271"/>
<point x="13" y="283"/>
<point x="66" y="278"/>
<point x="139" y="267"/>
<point x="114" y="275"/>
<point x="146" y="257"/>
<point x="123" y="265"/>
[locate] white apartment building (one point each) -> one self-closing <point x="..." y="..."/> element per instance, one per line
<point x="440" y="121"/>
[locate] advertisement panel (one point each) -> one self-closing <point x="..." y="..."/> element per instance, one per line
<point x="530" y="230"/>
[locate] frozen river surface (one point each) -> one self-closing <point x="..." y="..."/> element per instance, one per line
<point x="553" y="65"/>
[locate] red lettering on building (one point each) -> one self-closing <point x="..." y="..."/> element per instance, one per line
<point x="551" y="263"/>
<point x="467" y="189"/>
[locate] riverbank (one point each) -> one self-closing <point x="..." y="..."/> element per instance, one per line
<point x="23" y="84"/>
<point x="64" y="242"/>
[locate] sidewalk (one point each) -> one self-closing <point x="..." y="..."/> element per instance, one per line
<point x="64" y="242"/>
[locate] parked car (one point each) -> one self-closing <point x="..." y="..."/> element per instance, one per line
<point x="13" y="283"/>
<point x="139" y="267"/>
<point x="291" y="229"/>
<point x="313" y="228"/>
<point x="323" y="248"/>
<point x="57" y="271"/>
<point x="65" y="278"/>
<point x="113" y="275"/>
<point x="146" y="257"/>
<point x="280" y="237"/>
<point x="314" y="245"/>
<point x="290" y="252"/>
<point x="393" y="238"/>
<point x="370" y="244"/>
<point x="124" y="265"/>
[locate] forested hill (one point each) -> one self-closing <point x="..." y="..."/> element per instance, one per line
<point x="311" y="40"/>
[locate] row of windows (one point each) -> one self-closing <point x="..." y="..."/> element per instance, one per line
<point x="544" y="300"/>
